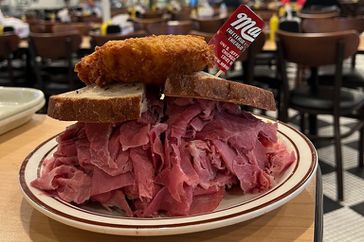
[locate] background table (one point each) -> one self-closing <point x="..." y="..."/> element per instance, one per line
<point x="19" y="222"/>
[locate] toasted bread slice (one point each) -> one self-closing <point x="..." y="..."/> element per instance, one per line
<point x="114" y="103"/>
<point x="206" y="86"/>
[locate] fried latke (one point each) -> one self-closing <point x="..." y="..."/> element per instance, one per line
<point x="149" y="60"/>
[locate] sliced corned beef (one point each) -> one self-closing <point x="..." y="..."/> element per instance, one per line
<point x="143" y="172"/>
<point x="164" y="202"/>
<point x="115" y="198"/>
<point x="201" y="162"/>
<point x="206" y="202"/>
<point x="279" y="158"/>
<point x="83" y="151"/>
<point x="75" y="188"/>
<point x="156" y="145"/>
<point x="99" y="186"/>
<point x="134" y="134"/>
<point x="98" y="135"/>
<point x="70" y="183"/>
<point x="177" y="167"/>
<point x="175" y="177"/>
<point x="70" y="133"/>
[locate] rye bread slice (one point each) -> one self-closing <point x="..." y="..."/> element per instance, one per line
<point x="93" y="104"/>
<point x="206" y="86"/>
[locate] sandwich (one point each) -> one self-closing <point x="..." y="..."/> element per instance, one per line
<point x="172" y="145"/>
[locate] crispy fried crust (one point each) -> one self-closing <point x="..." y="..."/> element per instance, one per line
<point x="95" y="111"/>
<point x="206" y="86"/>
<point x="149" y="60"/>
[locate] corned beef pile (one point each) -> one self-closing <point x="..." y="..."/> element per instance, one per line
<point x="178" y="163"/>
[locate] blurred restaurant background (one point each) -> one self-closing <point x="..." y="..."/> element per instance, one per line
<point x="310" y="55"/>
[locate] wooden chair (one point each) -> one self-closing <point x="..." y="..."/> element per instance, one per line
<point x="117" y="11"/>
<point x="99" y="40"/>
<point x="42" y="27"/>
<point x="316" y="50"/>
<point x="9" y="43"/>
<point x="53" y="60"/>
<point x="206" y="36"/>
<point x="265" y="14"/>
<point x="170" y="27"/>
<point x="333" y="25"/>
<point x="248" y="58"/>
<point x="89" y="19"/>
<point x="142" y="24"/>
<point x="318" y="14"/>
<point x="183" y="14"/>
<point x="208" y="25"/>
<point x="151" y="15"/>
<point x="83" y="28"/>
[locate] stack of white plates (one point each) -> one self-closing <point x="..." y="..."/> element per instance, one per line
<point x="18" y="105"/>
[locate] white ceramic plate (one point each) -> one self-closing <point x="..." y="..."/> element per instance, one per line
<point x="233" y="208"/>
<point x="17" y="106"/>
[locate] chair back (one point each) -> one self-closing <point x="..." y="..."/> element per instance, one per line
<point x="183" y="14"/>
<point x="254" y="48"/>
<point x="179" y="27"/>
<point x="157" y="28"/>
<point x="42" y="27"/>
<point x="89" y="19"/>
<point x="82" y="28"/>
<point x="265" y="14"/>
<point x="55" y="45"/>
<point x="142" y="24"/>
<point x="333" y="25"/>
<point x="151" y="15"/>
<point x="99" y="40"/>
<point x="170" y="27"/>
<point x="117" y="11"/>
<point x="316" y="49"/>
<point x="208" y="25"/>
<point x="248" y="57"/>
<point x="206" y="36"/>
<point x="9" y="43"/>
<point x="318" y="14"/>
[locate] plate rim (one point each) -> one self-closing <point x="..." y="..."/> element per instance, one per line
<point x="98" y="226"/>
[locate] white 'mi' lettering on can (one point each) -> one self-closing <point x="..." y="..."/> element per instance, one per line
<point x="247" y="27"/>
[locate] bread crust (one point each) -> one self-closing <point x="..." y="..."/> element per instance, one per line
<point x="95" y="110"/>
<point x="205" y="86"/>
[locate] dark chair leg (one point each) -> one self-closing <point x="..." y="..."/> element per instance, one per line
<point x="338" y="160"/>
<point x="10" y="71"/>
<point x="353" y="61"/>
<point x="361" y="147"/>
<point x="302" y="122"/>
<point x="312" y="124"/>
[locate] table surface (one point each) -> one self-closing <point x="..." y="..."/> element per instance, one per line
<point x="19" y="222"/>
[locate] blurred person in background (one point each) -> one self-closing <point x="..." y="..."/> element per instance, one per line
<point x="17" y="26"/>
<point x="91" y="7"/>
<point x="64" y="15"/>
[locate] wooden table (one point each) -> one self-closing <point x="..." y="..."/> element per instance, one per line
<point x="19" y="222"/>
